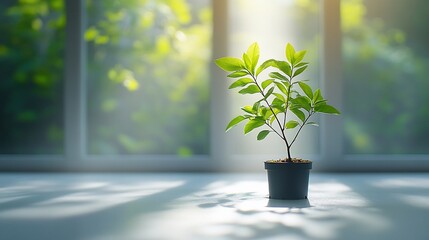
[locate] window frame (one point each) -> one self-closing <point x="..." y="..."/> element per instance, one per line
<point x="332" y="155"/>
<point x="331" y="158"/>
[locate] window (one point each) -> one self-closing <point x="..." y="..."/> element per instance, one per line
<point x="376" y="65"/>
<point x="131" y="85"/>
<point x="386" y="64"/>
<point x="147" y="77"/>
<point x="31" y="89"/>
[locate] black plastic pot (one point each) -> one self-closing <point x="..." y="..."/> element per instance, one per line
<point x="288" y="180"/>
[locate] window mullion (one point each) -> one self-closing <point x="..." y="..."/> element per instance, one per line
<point x="74" y="86"/>
<point x="331" y="82"/>
<point x="219" y="97"/>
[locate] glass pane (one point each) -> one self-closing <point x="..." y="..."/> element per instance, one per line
<point x="386" y="69"/>
<point x="148" y="76"/>
<point x="31" y="70"/>
<point x="265" y="22"/>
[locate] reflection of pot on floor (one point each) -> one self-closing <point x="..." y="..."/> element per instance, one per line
<point x="288" y="180"/>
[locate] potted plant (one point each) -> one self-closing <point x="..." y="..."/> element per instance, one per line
<point x="284" y="104"/>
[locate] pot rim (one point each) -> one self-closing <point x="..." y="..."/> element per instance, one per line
<point x="287" y="165"/>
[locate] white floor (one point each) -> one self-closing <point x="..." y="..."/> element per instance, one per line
<point x="211" y="206"/>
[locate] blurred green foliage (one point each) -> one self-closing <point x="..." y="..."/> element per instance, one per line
<point x="386" y="69"/>
<point x="31" y="70"/>
<point x="148" y="76"/>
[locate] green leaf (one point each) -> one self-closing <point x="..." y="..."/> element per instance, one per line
<point x="284" y="67"/>
<point x="303" y="102"/>
<point x="238" y="74"/>
<point x="325" y="108"/>
<point x="286" y="84"/>
<point x="291" y="124"/>
<point x="253" y="54"/>
<point x="281" y="87"/>
<point x="301" y="64"/>
<point x="277" y="103"/>
<point x="272" y="119"/>
<point x="265" y="65"/>
<point x="262" y="134"/>
<point x="266" y="83"/>
<point x="277" y="108"/>
<point x="299" y="71"/>
<point x="320" y="102"/>
<point x="290" y="53"/>
<point x="317" y="96"/>
<point x="252" y="124"/>
<point x="306" y="89"/>
<point x="278" y="75"/>
<point x="298" y="113"/>
<point x="229" y="64"/>
<point x="251" y="89"/>
<point x="241" y="83"/>
<point x="256" y="106"/>
<point x="269" y="92"/>
<point x="280" y="97"/>
<point x="298" y="56"/>
<point x="268" y="114"/>
<point x="234" y="122"/>
<point x="262" y="111"/>
<point x="248" y="109"/>
<point x="247" y="62"/>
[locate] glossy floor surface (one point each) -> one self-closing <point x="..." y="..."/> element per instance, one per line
<point x="211" y="206"/>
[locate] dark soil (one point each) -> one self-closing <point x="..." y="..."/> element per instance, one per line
<point x="294" y="160"/>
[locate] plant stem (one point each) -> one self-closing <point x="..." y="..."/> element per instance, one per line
<point x="289" y="159"/>
<point x="282" y="128"/>
<point x="288" y="146"/>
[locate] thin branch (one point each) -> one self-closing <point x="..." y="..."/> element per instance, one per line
<point x="274" y="130"/>
<point x="288" y="97"/>
<point x="269" y="105"/>
<point x="303" y="124"/>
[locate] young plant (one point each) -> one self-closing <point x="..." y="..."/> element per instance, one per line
<point x="281" y="95"/>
